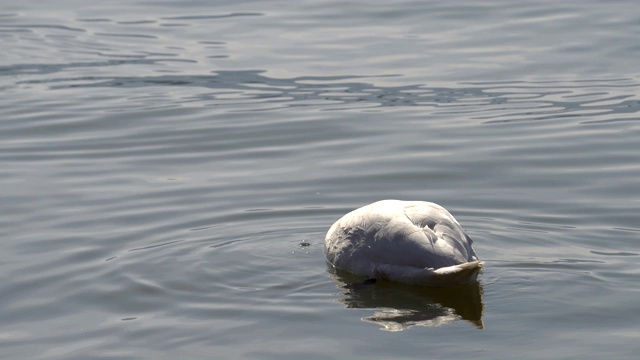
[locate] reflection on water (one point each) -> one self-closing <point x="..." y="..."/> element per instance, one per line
<point x="398" y="307"/>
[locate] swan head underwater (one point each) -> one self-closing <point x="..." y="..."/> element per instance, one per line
<point x="411" y="242"/>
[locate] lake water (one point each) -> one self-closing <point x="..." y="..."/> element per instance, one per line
<point x="169" y="170"/>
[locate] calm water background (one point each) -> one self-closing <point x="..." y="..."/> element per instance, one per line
<point x="169" y="170"/>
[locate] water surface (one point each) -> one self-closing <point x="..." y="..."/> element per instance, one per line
<point x="170" y="169"/>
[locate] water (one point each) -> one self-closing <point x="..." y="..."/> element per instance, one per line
<point x="170" y="168"/>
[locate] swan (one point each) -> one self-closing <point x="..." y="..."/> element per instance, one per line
<point x="411" y="242"/>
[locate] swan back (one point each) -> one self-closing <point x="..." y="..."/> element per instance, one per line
<point x="407" y="241"/>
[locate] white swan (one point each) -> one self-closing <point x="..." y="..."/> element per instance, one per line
<point x="412" y="242"/>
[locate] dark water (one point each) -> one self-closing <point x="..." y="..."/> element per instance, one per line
<point x="169" y="170"/>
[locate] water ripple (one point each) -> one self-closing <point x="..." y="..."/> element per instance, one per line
<point x="504" y="104"/>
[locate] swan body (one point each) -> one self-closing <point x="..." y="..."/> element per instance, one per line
<point x="412" y="242"/>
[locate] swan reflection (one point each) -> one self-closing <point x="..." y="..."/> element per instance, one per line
<point x="397" y="307"/>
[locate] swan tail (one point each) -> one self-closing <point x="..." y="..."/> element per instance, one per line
<point x="446" y="276"/>
<point x="460" y="274"/>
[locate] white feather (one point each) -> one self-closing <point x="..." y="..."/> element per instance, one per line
<point x="412" y="242"/>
